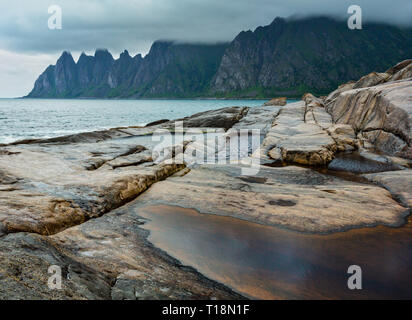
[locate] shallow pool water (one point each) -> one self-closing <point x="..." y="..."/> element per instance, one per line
<point x="265" y="262"/>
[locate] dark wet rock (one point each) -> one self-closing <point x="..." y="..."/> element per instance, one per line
<point x="3" y="230"/>
<point x="254" y="179"/>
<point x="154" y="123"/>
<point x="356" y="163"/>
<point x="221" y="118"/>
<point x="282" y="203"/>
<point x="94" y="136"/>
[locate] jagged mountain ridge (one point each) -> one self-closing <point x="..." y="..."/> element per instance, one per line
<point x="291" y="57"/>
<point x="287" y="57"/>
<point x="169" y="68"/>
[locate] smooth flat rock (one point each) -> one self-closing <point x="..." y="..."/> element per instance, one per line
<point x="52" y="194"/>
<point x="260" y="118"/>
<point x="293" y="197"/>
<point x="398" y="183"/>
<point x="299" y="141"/>
<point x="49" y="185"/>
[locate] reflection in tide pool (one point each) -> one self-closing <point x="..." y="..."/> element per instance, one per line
<point x="271" y="263"/>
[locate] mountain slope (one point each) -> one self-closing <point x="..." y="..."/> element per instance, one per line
<point x="169" y="69"/>
<point x="288" y="57"/>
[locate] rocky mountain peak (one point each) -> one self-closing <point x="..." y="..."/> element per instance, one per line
<point x="292" y="56"/>
<point x="138" y="57"/>
<point x="278" y="20"/>
<point x="285" y="58"/>
<point x="103" y="55"/>
<point x="84" y="58"/>
<point x="66" y="59"/>
<point x="125" y="55"/>
<point x="159" y="47"/>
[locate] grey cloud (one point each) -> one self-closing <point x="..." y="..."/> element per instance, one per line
<point x="27" y="46"/>
<point x="134" y="25"/>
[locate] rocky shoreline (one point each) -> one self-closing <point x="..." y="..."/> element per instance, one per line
<point x="62" y="199"/>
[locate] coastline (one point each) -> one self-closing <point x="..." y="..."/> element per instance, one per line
<point x="75" y="200"/>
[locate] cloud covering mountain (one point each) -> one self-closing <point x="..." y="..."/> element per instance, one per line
<point x="136" y="24"/>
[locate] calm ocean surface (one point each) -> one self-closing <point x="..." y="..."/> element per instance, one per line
<point x="37" y="118"/>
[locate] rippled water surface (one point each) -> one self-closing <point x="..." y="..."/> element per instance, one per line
<point x="38" y="118"/>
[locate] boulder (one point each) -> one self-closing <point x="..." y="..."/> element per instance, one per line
<point x="382" y="113"/>
<point x="399" y="66"/>
<point x="299" y="140"/>
<point x="404" y="73"/>
<point x="221" y="118"/>
<point x="311" y="101"/>
<point x="372" y="79"/>
<point x="281" y="101"/>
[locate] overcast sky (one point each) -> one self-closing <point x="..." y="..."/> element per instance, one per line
<point x="27" y="46"/>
